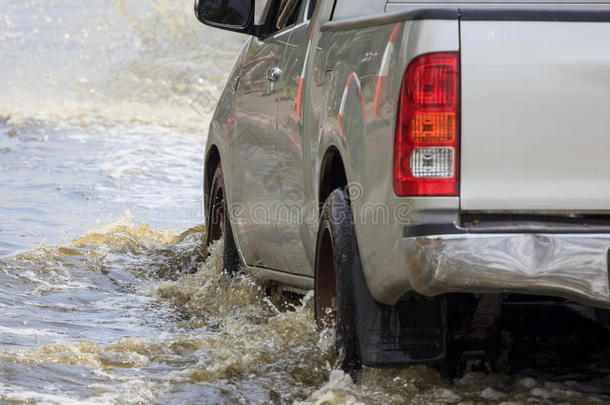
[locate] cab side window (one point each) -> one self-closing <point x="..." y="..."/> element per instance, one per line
<point x="288" y="13"/>
<point x="261" y="8"/>
<point x="276" y="15"/>
<point x="312" y="7"/>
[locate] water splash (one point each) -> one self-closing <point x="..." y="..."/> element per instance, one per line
<point x="103" y="63"/>
<point x="122" y="315"/>
<point x="209" y="328"/>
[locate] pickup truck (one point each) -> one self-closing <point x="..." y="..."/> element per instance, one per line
<point x="418" y="164"/>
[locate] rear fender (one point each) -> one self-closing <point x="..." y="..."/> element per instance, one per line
<point x="368" y="58"/>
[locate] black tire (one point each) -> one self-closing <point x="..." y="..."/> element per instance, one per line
<point x="219" y="223"/>
<point x="337" y="260"/>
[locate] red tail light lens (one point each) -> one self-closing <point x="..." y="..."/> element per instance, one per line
<point x="426" y="148"/>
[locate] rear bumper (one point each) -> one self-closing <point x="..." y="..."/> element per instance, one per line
<point x="569" y="265"/>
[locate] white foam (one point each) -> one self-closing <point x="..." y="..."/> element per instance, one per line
<point x="27" y="331"/>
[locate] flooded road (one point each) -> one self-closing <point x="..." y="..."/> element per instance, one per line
<point x="106" y="297"/>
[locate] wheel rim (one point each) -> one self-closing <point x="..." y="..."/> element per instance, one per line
<point x="325" y="283"/>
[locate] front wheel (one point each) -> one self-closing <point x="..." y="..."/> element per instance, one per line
<point x="219" y="223"/>
<point x="337" y="259"/>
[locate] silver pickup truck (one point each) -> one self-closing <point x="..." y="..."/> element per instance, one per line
<point x="418" y="164"/>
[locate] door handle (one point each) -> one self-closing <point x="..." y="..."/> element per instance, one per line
<point x="273" y="74"/>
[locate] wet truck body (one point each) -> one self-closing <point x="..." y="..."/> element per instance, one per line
<point x="471" y="141"/>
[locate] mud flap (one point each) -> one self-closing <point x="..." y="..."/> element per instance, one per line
<point x="414" y="331"/>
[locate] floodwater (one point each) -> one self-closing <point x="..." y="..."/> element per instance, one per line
<point x="105" y="297"/>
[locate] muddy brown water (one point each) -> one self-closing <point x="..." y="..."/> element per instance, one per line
<point x="106" y="297"/>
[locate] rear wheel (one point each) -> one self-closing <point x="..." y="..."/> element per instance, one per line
<point x="337" y="259"/>
<point x="219" y="222"/>
<point x="413" y="331"/>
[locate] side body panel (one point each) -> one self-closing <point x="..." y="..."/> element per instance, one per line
<point x="350" y="91"/>
<point x="359" y="121"/>
<point x="262" y="157"/>
<point x="255" y="186"/>
<point x="349" y="101"/>
<point x="295" y="208"/>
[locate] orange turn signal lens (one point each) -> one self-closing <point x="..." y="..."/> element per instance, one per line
<point x="433" y="127"/>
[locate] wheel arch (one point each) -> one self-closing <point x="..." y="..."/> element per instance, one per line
<point x="332" y="174"/>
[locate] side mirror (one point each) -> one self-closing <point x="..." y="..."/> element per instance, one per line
<point x="232" y="15"/>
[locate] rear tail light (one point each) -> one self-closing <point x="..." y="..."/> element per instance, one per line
<point x="427" y="127"/>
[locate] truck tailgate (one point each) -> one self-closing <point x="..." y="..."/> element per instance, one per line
<point x="535" y="116"/>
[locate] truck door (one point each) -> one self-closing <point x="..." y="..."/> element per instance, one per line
<point x="294" y="211"/>
<point x="255" y="184"/>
